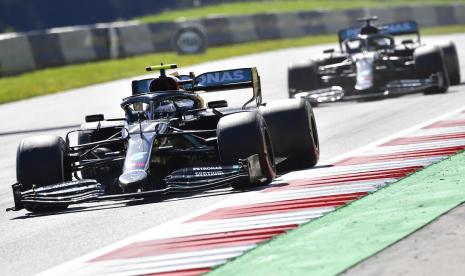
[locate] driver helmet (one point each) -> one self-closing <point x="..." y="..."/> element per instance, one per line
<point x="375" y="43"/>
<point x="369" y="30"/>
<point x="164" y="83"/>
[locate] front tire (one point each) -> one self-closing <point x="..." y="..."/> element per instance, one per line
<point x="429" y="60"/>
<point x="302" y="77"/>
<point x="42" y="161"/>
<point x="241" y="135"/>
<point x="451" y="60"/>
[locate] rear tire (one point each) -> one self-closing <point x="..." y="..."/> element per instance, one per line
<point x="302" y="77"/>
<point x="430" y="60"/>
<point x="293" y="130"/>
<point x="451" y="60"/>
<point x="241" y="135"/>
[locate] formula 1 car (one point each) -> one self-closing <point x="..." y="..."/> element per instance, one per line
<point x="168" y="142"/>
<point x="371" y="64"/>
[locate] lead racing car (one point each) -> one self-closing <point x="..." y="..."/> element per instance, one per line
<point x="168" y="142"/>
<point x="371" y="64"/>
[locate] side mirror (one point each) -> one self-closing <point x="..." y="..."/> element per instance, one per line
<point x="141" y="86"/>
<point x="329" y="51"/>
<point x="407" y="41"/>
<point x="217" y="104"/>
<point x="94" y="118"/>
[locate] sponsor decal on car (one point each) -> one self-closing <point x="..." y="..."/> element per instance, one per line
<point x="207" y="168"/>
<point x="397" y="28"/>
<point x="138" y="156"/>
<point x="400" y="28"/>
<point x="209" y="173"/>
<point x="222" y="77"/>
<point x="137" y="165"/>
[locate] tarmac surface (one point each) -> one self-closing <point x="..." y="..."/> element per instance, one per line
<point x="436" y="249"/>
<point x="30" y="244"/>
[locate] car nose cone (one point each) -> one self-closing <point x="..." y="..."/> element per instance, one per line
<point x="131" y="179"/>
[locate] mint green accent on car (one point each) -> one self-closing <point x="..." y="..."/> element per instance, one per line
<point x="339" y="240"/>
<point x="138" y="156"/>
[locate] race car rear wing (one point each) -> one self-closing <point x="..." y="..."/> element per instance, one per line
<point x="213" y="81"/>
<point x="227" y="80"/>
<point x="395" y="29"/>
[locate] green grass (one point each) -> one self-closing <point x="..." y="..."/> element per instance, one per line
<point x="53" y="80"/>
<point x="338" y="240"/>
<point x="280" y="6"/>
<point x="443" y="30"/>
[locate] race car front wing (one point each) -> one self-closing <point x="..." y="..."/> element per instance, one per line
<point x="182" y="180"/>
<point x="393" y="88"/>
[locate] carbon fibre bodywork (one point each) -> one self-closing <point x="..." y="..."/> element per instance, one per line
<point x="167" y="143"/>
<point x="371" y="63"/>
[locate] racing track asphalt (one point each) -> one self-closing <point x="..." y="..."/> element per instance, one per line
<point x="30" y="244"/>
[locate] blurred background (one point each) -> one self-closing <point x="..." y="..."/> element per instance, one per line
<point x="61" y="60"/>
<point x="53" y="45"/>
<point x="28" y="15"/>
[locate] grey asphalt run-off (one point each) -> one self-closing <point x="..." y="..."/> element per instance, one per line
<point x="31" y="244"/>
<point x="436" y="249"/>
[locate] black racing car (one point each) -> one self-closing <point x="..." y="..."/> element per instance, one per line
<point x="168" y="142"/>
<point x="371" y="64"/>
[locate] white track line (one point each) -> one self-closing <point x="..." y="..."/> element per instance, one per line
<point x="420" y="146"/>
<point x="402" y="133"/>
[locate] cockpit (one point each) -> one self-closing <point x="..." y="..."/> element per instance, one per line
<point x="166" y="105"/>
<point x="369" y="43"/>
<point x="162" y="97"/>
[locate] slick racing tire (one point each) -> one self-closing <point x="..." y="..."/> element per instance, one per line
<point x="451" y="60"/>
<point x="302" y="77"/>
<point x="429" y="60"/>
<point x="42" y="161"/>
<point x="294" y="133"/>
<point x="241" y="135"/>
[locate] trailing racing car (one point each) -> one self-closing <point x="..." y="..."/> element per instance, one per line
<point x="168" y="142"/>
<point x="371" y="64"/>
